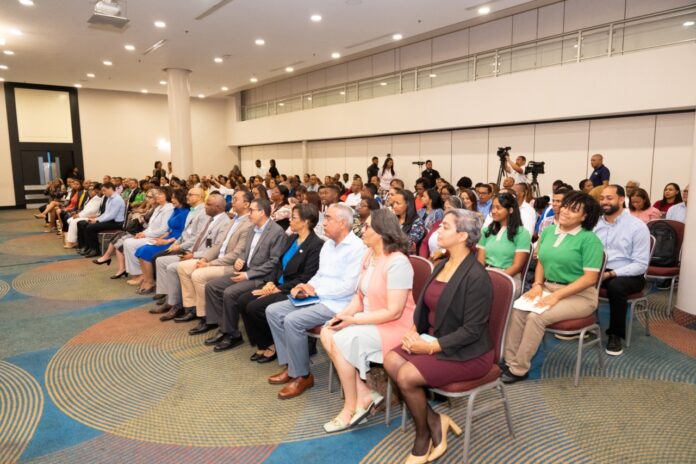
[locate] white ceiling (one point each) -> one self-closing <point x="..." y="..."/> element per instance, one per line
<point x="58" y="46"/>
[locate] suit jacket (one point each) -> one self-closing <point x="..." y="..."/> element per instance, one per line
<point x="131" y="196"/>
<point x="195" y="223"/>
<point x="216" y="230"/>
<point x="302" y="266"/>
<point x="235" y="246"/>
<point x="267" y="252"/>
<point x="461" y="315"/>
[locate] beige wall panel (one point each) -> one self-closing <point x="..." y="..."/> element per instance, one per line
<point x="247" y="155"/>
<point x="360" y="69"/>
<point x="627" y="146"/>
<point x="490" y="35"/>
<point x="335" y="157"/>
<point x="450" y="46"/>
<point x="316" y="79"/>
<point x="563" y="147"/>
<point x="674" y="151"/>
<point x="298" y="84"/>
<point x="211" y="155"/>
<point x="470" y="154"/>
<point x="584" y="13"/>
<point x="417" y="54"/>
<point x="379" y="147"/>
<point x="550" y="20"/>
<point x="336" y="75"/>
<point x="437" y="146"/>
<point x="7" y="197"/>
<point x="316" y="158"/>
<point x="357" y="158"/>
<point x="283" y="88"/>
<point x="524" y="26"/>
<point x="43" y="116"/>
<point x="406" y="150"/>
<point x="641" y="7"/>
<point x="384" y="63"/>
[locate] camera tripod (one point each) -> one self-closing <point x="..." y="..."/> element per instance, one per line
<point x="502" y="172"/>
<point x="536" y="191"/>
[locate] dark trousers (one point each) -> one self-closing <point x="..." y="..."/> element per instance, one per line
<point x="221" y="297"/>
<point x="618" y="290"/>
<point x="91" y="232"/>
<point x="253" y="311"/>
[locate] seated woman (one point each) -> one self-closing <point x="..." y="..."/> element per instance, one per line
<point x="449" y="341"/>
<point x="432" y="208"/>
<point x="505" y="242"/>
<point x="469" y="199"/>
<point x="366" y="206"/>
<point x="670" y="197"/>
<point x="56" y="194"/>
<point x="404" y="206"/>
<point x="428" y="248"/>
<point x="639" y="205"/>
<point x="570" y="258"/>
<point x="156" y="227"/>
<point x="375" y="320"/>
<point x="299" y="263"/>
<point x="146" y="253"/>
<point x="280" y="207"/>
<point x="91" y="210"/>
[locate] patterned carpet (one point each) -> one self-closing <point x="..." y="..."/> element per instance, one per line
<point x="88" y="375"/>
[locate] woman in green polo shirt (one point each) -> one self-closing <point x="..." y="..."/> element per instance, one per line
<point x="570" y="258"/>
<point x="504" y="244"/>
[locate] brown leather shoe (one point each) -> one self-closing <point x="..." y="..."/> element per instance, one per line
<point x="296" y="387"/>
<point x="280" y="378"/>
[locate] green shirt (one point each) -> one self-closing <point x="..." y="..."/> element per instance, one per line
<point x="566" y="256"/>
<point x="500" y="251"/>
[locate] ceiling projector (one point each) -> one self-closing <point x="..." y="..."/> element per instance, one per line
<point x="108" y="12"/>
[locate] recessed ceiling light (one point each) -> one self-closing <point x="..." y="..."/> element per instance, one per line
<point x="382" y="84"/>
<point x="689" y="23"/>
<point x="91" y="75"/>
<point x="260" y="42"/>
<point x="129" y="47"/>
<point x="432" y="75"/>
<point x="342" y="92"/>
<point x="143" y="91"/>
<point x="8" y="52"/>
<point x="281" y="104"/>
<point x="315" y="17"/>
<point x="397" y="37"/>
<point x="160" y="24"/>
<point x="224" y="89"/>
<point x="484" y="10"/>
<point x="4" y="67"/>
<point x="2" y="79"/>
<point x="2" y="41"/>
<point x="26" y="2"/>
<point x="163" y="82"/>
<point x="335" y="55"/>
<point x="79" y="86"/>
<point x="200" y="95"/>
<point x="217" y="59"/>
<point x="15" y="32"/>
<point x="289" y="69"/>
<point x="107" y="63"/>
<point x="309" y="98"/>
<point x="253" y="80"/>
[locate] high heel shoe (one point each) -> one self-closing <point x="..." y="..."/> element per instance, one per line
<point x="446" y="423"/>
<point x="107" y="262"/>
<point x="413" y="459"/>
<point x="119" y="275"/>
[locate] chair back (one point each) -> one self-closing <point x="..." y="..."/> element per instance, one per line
<point x="653" y="244"/>
<point x="605" y="258"/>
<point x="422" y="268"/>
<point x="525" y="270"/>
<point x="501" y="306"/>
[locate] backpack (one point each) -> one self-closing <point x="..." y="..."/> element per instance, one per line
<point x="666" y="249"/>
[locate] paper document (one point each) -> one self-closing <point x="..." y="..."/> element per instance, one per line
<point x="525" y="304"/>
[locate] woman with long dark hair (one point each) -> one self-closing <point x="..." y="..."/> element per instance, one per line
<point x="670" y="197"/>
<point x="280" y="206"/>
<point x="432" y="208"/>
<point x="386" y="174"/>
<point x="158" y="172"/>
<point x="404" y="206"/>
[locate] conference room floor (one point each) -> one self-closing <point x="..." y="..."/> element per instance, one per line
<point x="88" y="375"/>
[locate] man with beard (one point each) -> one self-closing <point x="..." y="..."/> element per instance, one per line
<point x="626" y="241"/>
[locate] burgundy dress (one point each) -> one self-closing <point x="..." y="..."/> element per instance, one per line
<point x="439" y="372"/>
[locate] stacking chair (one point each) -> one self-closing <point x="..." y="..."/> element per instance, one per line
<point x="638" y="302"/>
<point x="589" y="324"/>
<point x="658" y="273"/>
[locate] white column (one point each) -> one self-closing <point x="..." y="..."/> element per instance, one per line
<point x="179" y="102"/>
<point x="686" y="299"/>
<point x="305" y="158"/>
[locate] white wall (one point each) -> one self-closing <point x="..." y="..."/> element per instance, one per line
<point x="7" y="197"/>
<point x="120" y="131"/>
<point x="653" y="149"/>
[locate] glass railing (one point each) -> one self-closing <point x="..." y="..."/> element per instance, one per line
<point x="658" y="30"/>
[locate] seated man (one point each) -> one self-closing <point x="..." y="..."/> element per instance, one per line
<point x="263" y="250"/>
<point x="111" y="218"/>
<point x="216" y="262"/>
<point x="626" y="240"/>
<point x="185" y="247"/>
<point x="334" y="284"/>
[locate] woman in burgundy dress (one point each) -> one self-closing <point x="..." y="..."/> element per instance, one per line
<point x="449" y="341"/>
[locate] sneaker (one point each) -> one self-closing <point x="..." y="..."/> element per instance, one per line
<point x="574" y="336"/>
<point x="614" y="346"/>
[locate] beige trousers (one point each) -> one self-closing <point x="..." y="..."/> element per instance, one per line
<point x="526" y="329"/>
<point x="193" y="283"/>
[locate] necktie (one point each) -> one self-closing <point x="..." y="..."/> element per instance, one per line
<point x="102" y="208"/>
<point x="202" y="235"/>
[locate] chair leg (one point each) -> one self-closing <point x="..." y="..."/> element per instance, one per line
<point x="387" y="411"/>
<point x="629" y="331"/>
<point x="671" y="294"/>
<point x="600" y="350"/>
<point x="578" y="359"/>
<point x="506" y="408"/>
<point x="403" y="416"/>
<point x="647" y="317"/>
<point x="331" y="371"/>
<point x="467" y="425"/>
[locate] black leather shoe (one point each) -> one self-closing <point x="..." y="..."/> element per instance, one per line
<point x="266" y="359"/>
<point x="509" y="377"/>
<point x="255" y="357"/>
<point x="158" y="296"/>
<point x="202" y="327"/>
<point x="227" y="343"/>
<point x="176" y="311"/>
<point x="160" y="309"/>
<point x="161" y="301"/>
<point x="188" y="317"/>
<point x="214" y="339"/>
<point x="91" y="254"/>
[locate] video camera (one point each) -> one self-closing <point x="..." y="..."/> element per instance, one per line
<point x="503" y="153"/>
<point x="535" y="168"/>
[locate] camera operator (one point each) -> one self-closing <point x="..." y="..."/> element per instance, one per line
<point x="516" y="169"/>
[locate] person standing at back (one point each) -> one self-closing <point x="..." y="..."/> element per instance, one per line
<point x="600" y="175"/>
<point x="373" y="169"/>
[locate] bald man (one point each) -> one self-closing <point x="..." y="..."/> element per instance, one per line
<point x="600" y="175"/>
<point x="186" y="247"/>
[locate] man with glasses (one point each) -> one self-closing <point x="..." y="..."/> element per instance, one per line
<point x="257" y="265"/>
<point x="334" y="284"/>
<point x="484" y="193"/>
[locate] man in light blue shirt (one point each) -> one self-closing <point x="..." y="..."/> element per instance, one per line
<point x="485" y="194"/>
<point x="334" y="284"/>
<point x="626" y="241"/>
<point x="112" y="218"/>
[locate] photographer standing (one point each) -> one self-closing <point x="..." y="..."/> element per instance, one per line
<point x="516" y="169"/>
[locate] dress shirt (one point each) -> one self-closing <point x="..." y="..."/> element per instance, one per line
<point x="91" y="208"/>
<point x="257" y="236"/>
<point x="529" y="217"/>
<point x="158" y="223"/>
<point x="677" y="213"/>
<point x="339" y="268"/>
<point x="627" y="244"/>
<point x="115" y="209"/>
<point x="353" y="200"/>
<point x="236" y="220"/>
<point x="485" y="208"/>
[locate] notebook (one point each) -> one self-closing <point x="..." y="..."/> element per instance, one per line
<point x="310" y="300"/>
<point x="525" y="304"/>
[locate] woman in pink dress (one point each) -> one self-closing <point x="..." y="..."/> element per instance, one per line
<point x="639" y="205"/>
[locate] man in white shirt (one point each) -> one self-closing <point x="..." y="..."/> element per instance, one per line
<point x="516" y="169"/>
<point x="354" y="197"/>
<point x="527" y="212"/>
<point x="260" y="171"/>
<point x="678" y="211"/>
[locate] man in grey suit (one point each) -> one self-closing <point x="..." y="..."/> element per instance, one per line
<point x="167" y="280"/>
<point x="258" y="264"/>
<point x="216" y="262"/>
<point x="217" y="221"/>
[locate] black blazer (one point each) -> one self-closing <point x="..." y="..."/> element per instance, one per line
<point x="461" y="317"/>
<point x="303" y="265"/>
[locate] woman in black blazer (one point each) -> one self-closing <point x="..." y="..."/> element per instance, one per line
<point x="449" y="341"/>
<point x="299" y="263"/>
